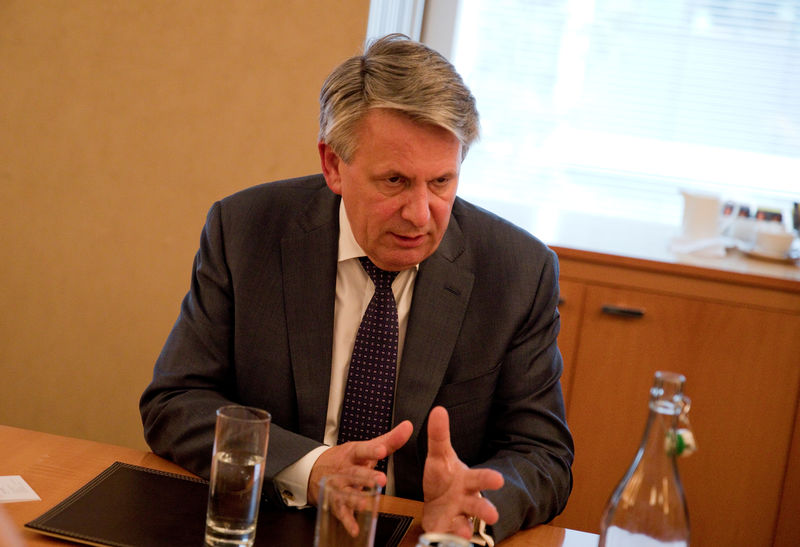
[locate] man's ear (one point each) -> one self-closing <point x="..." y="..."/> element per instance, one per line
<point x="331" y="163"/>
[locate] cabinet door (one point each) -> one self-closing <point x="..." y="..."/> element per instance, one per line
<point x="571" y="309"/>
<point x="741" y="366"/>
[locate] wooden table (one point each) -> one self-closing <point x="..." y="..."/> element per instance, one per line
<point x="56" y="466"/>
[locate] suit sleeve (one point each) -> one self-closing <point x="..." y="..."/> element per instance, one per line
<point x="195" y="373"/>
<point x="530" y="443"/>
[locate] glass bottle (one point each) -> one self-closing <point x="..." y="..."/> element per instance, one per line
<point x="648" y="506"/>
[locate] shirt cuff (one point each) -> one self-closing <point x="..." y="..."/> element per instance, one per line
<point x="480" y="534"/>
<point x="292" y="481"/>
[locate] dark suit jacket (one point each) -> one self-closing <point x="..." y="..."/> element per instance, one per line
<point x="256" y="328"/>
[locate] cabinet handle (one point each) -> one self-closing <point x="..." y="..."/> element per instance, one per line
<point x="620" y="311"/>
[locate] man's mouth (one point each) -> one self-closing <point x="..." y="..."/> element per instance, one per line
<point x="409" y="240"/>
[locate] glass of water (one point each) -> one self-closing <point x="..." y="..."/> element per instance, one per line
<point x="237" y="472"/>
<point x="347" y="512"/>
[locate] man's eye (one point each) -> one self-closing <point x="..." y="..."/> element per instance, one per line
<point x="395" y="179"/>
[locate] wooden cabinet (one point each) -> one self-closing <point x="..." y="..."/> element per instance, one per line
<point x="736" y="338"/>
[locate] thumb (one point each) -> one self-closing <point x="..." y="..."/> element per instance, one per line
<point x="439" y="432"/>
<point x="398" y="436"/>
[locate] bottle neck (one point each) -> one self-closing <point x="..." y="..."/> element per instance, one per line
<point x="658" y="441"/>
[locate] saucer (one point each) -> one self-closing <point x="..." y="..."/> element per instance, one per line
<point x="754" y="252"/>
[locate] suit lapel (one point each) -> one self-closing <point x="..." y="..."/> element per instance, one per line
<point x="309" y="256"/>
<point x="441" y="293"/>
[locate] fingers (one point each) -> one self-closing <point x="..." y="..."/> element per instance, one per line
<point x="349" y="500"/>
<point x="458" y="517"/>
<point x="346" y="516"/>
<point x="342" y="459"/>
<point x="481" y="508"/>
<point x="358" y="458"/>
<point x="461" y="525"/>
<point x="478" y="480"/>
<point x="451" y="489"/>
<point x="381" y="447"/>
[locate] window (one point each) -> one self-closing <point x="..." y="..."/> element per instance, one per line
<point x="610" y="107"/>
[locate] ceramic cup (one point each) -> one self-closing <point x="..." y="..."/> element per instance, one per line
<point x="774" y="242"/>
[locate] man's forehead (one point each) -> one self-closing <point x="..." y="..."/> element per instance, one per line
<point x="377" y="115"/>
<point x="379" y="131"/>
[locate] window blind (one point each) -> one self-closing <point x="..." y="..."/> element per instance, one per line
<point x="613" y="106"/>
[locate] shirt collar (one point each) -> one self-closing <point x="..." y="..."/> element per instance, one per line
<point x="348" y="246"/>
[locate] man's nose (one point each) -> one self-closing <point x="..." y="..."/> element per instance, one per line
<point x="417" y="205"/>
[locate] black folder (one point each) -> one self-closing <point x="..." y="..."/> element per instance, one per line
<point x="132" y="506"/>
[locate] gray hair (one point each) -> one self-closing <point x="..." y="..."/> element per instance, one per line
<point x="399" y="74"/>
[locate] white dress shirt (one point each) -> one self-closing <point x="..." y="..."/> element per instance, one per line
<point x="354" y="289"/>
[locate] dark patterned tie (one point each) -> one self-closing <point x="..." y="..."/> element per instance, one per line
<point x="369" y="393"/>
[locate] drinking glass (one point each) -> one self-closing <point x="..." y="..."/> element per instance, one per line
<point x="237" y="472"/>
<point x="347" y="512"/>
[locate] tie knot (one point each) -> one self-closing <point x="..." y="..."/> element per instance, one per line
<point x="381" y="278"/>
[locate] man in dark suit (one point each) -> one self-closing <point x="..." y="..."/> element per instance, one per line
<point x="277" y="294"/>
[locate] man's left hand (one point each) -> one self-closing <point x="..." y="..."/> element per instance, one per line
<point x="451" y="489"/>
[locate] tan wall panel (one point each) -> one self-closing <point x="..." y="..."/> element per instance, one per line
<point x="120" y="123"/>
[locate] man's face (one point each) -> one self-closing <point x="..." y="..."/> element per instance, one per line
<point x="399" y="187"/>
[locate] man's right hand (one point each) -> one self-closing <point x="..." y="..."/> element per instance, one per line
<point x="358" y="458"/>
